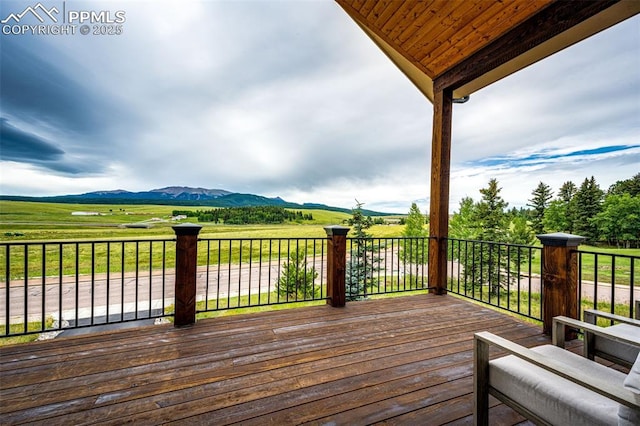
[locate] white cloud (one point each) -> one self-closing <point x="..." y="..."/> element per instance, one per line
<point x="291" y="99"/>
<point x="25" y="179"/>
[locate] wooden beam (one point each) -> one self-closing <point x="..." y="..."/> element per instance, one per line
<point x="539" y="28"/>
<point x="439" y="203"/>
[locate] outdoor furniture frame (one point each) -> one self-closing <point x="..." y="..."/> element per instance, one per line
<point x="548" y="384"/>
<point x="619" y="343"/>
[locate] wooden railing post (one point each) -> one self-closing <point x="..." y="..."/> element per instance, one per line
<point x="186" y="269"/>
<point x="559" y="278"/>
<point x="336" y="264"/>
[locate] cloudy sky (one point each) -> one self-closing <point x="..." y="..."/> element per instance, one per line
<point x="291" y="99"/>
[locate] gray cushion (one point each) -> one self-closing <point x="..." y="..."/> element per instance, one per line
<point x="617" y="349"/>
<point x="632" y="381"/>
<point x="628" y="416"/>
<point x="557" y="400"/>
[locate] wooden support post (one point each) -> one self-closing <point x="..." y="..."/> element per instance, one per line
<point x="186" y="267"/>
<point x="439" y="203"/>
<point x="559" y="279"/>
<point x="336" y="264"/>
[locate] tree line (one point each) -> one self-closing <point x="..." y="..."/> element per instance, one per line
<point x="611" y="216"/>
<point x="247" y="215"/>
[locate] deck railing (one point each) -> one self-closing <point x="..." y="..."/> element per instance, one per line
<point x="241" y="273"/>
<point x="505" y="276"/>
<point x="55" y="286"/>
<point x="608" y="282"/>
<point x="377" y="266"/>
<point x="510" y="277"/>
<point x="51" y="286"/>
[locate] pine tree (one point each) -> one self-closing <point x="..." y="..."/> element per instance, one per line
<point x="539" y="202"/>
<point x="519" y="232"/>
<point x="364" y="261"/>
<point x="297" y="278"/>
<point x="588" y="203"/>
<point x="567" y="191"/>
<point x="462" y="229"/>
<point x="491" y="213"/>
<point x="484" y="263"/>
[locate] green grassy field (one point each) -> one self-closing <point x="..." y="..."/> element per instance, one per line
<point x="605" y="265"/>
<point x="52" y="222"/>
<point x="28" y="221"/>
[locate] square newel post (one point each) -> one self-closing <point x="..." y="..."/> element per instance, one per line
<point x="559" y="278"/>
<point x="186" y="266"/>
<point x="336" y="264"/>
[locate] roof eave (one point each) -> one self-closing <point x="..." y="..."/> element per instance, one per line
<point x="612" y="15"/>
<point x="605" y="19"/>
<point x="417" y="76"/>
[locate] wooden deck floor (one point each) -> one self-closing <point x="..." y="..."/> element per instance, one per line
<point x="404" y="360"/>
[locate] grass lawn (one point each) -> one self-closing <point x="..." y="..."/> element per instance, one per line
<point x="28" y="221"/>
<point x="604" y="264"/>
<point x="54" y="222"/>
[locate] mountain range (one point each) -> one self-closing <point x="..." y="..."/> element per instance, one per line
<point x="180" y="196"/>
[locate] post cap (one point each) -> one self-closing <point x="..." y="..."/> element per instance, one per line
<point x="187" y="229"/>
<point x="560" y="239"/>
<point x="336" y="230"/>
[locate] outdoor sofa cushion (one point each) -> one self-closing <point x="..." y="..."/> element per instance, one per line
<point x="628" y="416"/>
<point x="555" y="399"/>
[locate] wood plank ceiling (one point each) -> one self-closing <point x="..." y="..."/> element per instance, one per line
<point x="428" y="38"/>
<point x="452" y="48"/>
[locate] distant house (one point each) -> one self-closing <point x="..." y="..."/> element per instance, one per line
<point x="86" y="214"/>
<point x="179" y="217"/>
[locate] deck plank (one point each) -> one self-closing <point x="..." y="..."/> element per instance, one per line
<point x="389" y="361"/>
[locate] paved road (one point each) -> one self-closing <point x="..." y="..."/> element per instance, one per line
<point x="116" y="296"/>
